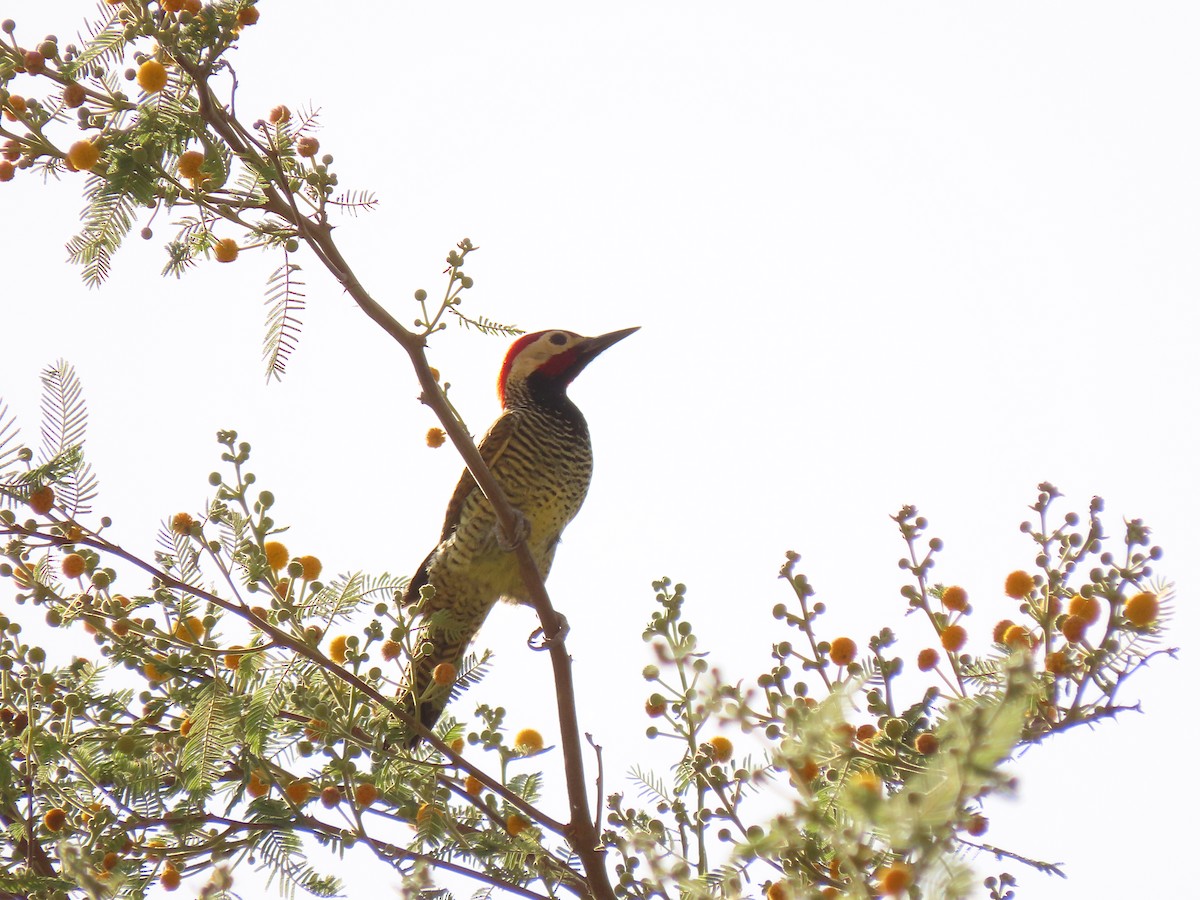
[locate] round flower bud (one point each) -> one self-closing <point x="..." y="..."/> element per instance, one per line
<point x="299" y="792"/>
<point x="927" y="659"/>
<point x="16" y="107"/>
<point x="310" y="568"/>
<point x="528" y="740"/>
<point x="1057" y="663"/>
<point x="181" y="523"/>
<point x="365" y="794"/>
<point x="895" y="879"/>
<point x="152" y="76"/>
<point x="954" y="598"/>
<point x="42" y="499"/>
<point x="1000" y="630"/>
<point x="83" y="155"/>
<point x="337" y="649"/>
<point x="170" y="878"/>
<point x="189" y="164"/>
<point x="444" y="674"/>
<point x="842" y="651"/>
<point x="722" y="748"/>
<point x="307" y="146"/>
<point x="55" y="820"/>
<point x="331" y="796"/>
<point x="1073" y="628"/>
<point x="277" y="554"/>
<point x="1018" y="584"/>
<point x="73" y="565"/>
<point x="926" y="743"/>
<point x="189" y="630"/>
<point x="226" y="250"/>
<point x="515" y="824"/>
<point x="1141" y="609"/>
<point x="74" y="95"/>
<point x="1018" y="636"/>
<point x="954" y="638"/>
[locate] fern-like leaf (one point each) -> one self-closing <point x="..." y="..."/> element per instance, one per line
<point x="486" y="325"/>
<point x="210" y="739"/>
<point x="179" y="556"/>
<point x="526" y="786"/>
<point x="283" y="854"/>
<point x="106" y="220"/>
<point x="10" y="434"/>
<point x="285" y="300"/>
<point x="64" y="414"/>
<point x="261" y="720"/>
<point x="307" y="120"/>
<point x="64" y="428"/>
<point x="355" y="202"/>
<point x="106" y="39"/>
<point x="651" y="786"/>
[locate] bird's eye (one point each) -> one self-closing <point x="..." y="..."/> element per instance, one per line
<point x="558" y="338"/>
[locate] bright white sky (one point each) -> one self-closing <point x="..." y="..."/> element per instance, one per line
<point x="881" y="254"/>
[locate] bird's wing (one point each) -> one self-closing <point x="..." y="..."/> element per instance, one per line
<point x="491" y="448"/>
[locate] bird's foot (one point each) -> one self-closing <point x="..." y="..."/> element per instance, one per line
<point x="522" y="529"/>
<point x="538" y="641"/>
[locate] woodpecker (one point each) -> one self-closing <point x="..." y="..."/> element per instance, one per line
<point x="540" y="452"/>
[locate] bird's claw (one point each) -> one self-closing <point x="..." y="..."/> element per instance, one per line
<point x="537" y="641"/>
<point x="521" y="528"/>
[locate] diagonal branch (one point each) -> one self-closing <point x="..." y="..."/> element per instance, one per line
<point x="580" y="831"/>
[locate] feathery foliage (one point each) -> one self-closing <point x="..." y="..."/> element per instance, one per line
<point x="285" y="299"/>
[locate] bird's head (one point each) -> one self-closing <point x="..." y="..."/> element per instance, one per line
<point x="550" y="360"/>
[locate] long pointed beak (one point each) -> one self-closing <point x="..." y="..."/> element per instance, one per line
<point x="590" y="348"/>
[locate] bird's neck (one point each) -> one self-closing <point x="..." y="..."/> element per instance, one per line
<point x="548" y="396"/>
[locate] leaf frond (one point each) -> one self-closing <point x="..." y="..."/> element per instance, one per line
<point x="486" y="325"/>
<point x="210" y="739"/>
<point x="64" y="429"/>
<point x="355" y="202"/>
<point x="285" y="301"/>
<point x="106" y="40"/>
<point x="10" y="434"/>
<point x="107" y="218"/>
